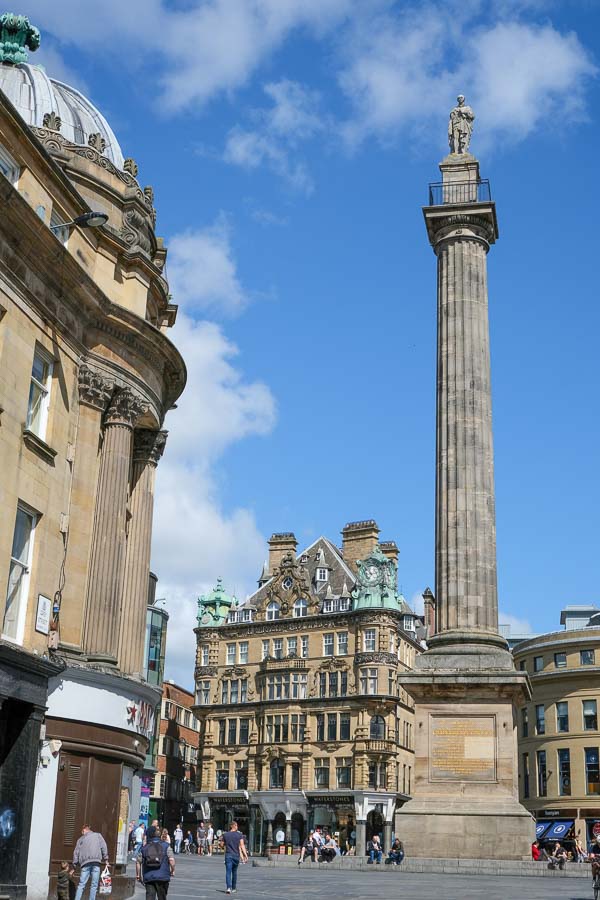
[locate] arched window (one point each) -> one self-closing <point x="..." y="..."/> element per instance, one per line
<point x="377" y="728"/>
<point x="272" y="611"/>
<point x="276" y="774"/>
<point x="300" y="607"/>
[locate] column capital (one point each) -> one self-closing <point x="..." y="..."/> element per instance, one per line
<point x="94" y="388"/>
<point x="124" y="408"/>
<point x="148" y="445"/>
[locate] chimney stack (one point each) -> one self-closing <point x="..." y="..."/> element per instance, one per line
<point x="390" y="549"/>
<point x="429" y="609"/>
<point x="279" y="546"/>
<point x="358" y="540"/>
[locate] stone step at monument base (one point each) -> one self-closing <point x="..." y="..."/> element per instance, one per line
<point x="429" y="866"/>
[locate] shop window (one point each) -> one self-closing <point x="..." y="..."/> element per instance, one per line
<point x="524" y="722"/>
<point x="562" y="717"/>
<point x="560" y="660"/>
<point x="592" y="771"/>
<point x="564" y="772"/>
<point x="590" y="717"/>
<point x="541" y="773"/>
<point x="538" y="663"/>
<point x="13" y="626"/>
<point x="587" y="657"/>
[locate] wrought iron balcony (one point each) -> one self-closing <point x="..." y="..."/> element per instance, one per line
<point x="456" y="192"/>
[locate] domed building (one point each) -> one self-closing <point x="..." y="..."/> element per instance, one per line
<point x="87" y="374"/>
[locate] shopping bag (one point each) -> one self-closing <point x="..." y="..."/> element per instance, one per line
<point x="105" y="882"/>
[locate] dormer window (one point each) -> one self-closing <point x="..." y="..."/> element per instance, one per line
<point x="300" y="607"/>
<point x="409" y="623"/>
<point x="246" y="615"/>
<point x="303" y="559"/>
<point x="322" y="574"/>
<point x="272" y="611"/>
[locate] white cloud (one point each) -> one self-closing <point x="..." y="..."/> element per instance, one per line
<point x="196" y="539"/>
<point x="280" y="128"/>
<point x="202" y="271"/>
<point x="402" y="74"/>
<point x="517" y="625"/>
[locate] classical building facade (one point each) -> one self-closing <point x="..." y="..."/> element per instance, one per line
<point x="559" y="741"/>
<point x="299" y="692"/>
<point x="87" y="373"/>
<point x="171" y="800"/>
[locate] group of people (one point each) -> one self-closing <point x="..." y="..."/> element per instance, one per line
<point x="322" y="845"/>
<point x="557" y="855"/>
<point x="182" y="842"/>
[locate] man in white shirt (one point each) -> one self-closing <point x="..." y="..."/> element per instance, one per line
<point x="178" y="835"/>
<point x="140" y="831"/>
<point x="210" y="836"/>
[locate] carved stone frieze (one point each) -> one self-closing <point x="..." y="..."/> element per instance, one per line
<point x="234" y="672"/>
<point x="124" y="408"/>
<point x="377" y="656"/>
<point x="205" y="671"/>
<point x="94" y="388"/>
<point x="148" y="445"/>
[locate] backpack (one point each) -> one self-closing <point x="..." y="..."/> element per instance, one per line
<point x="153" y="854"/>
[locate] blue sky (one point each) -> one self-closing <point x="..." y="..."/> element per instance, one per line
<point x="290" y="144"/>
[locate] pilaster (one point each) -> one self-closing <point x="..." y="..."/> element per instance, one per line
<point x="105" y="583"/>
<point x="148" y="447"/>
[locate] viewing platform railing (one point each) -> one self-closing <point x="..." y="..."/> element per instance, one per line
<point x="457" y="192"/>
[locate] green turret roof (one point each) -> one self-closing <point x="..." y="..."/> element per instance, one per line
<point x="214" y="608"/>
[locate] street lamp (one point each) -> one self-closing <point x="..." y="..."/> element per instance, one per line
<point x="85" y="220"/>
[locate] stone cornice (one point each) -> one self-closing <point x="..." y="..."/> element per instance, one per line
<point x="53" y="283"/>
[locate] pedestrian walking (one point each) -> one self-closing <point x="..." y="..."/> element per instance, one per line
<point x="155" y="866"/>
<point x="178" y="837"/>
<point x="138" y="836"/>
<point x="201" y="838"/>
<point x="90" y="853"/>
<point x="235" y="850"/>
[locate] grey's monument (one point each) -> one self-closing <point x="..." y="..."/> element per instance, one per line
<point x="466" y="689"/>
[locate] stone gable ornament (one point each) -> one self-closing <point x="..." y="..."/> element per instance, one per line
<point x="460" y="126"/>
<point x="51" y="121"/>
<point x="17" y="35"/>
<point x="97" y="142"/>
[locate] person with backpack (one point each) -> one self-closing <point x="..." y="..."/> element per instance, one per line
<point x="155" y="866"/>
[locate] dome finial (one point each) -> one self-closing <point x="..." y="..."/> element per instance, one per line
<point x="17" y="34"/>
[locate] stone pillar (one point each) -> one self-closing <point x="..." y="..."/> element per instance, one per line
<point x="105" y="583"/>
<point x="288" y="831"/>
<point x="269" y="845"/>
<point x="361" y="837"/>
<point x="387" y="837"/>
<point x="465" y="685"/>
<point x="148" y="447"/>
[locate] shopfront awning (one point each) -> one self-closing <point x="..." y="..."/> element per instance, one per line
<point x="540" y="827"/>
<point x="559" y="830"/>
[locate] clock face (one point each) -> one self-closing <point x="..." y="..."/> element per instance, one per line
<point x="206" y="618"/>
<point x="371" y="573"/>
<point x="287" y="583"/>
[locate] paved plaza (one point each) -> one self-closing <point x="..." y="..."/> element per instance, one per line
<point x="198" y="878"/>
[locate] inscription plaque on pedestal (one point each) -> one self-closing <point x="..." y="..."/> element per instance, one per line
<point x="462" y="748"/>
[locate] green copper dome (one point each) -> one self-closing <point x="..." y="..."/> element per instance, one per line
<point x="213" y="608"/>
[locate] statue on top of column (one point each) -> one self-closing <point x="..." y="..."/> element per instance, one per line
<point x="460" y="126"/>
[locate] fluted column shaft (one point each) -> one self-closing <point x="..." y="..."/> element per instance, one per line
<point x="105" y="585"/>
<point x="148" y="447"/>
<point x="466" y="591"/>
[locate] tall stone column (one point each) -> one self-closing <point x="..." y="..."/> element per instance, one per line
<point x="105" y="583"/>
<point x="148" y="447"/>
<point x="465" y="686"/>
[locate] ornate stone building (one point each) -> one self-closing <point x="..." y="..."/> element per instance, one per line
<point x="87" y="374"/>
<point x="299" y="692"/>
<point x="559" y="740"/>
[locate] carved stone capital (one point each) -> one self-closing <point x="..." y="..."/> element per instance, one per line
<point x="124" y="408"/>
<point x="94" y="389"/>
<point x="148" y="445"/>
